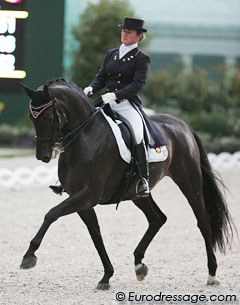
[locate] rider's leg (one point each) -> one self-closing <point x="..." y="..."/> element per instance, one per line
<point x="126" y="110"/>
<point x="142" y="187"/>
<point x="133" y="116"/>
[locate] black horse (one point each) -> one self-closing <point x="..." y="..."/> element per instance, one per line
<point x="91" y="170"/>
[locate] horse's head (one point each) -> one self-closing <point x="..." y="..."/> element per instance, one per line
<point x="59" y="111"/>
<point x="43" y="113"/>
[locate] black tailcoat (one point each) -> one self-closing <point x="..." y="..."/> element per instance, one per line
<point x="124" y="77"/>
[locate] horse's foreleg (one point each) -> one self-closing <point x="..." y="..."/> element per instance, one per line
<point x="90" y="219"/>
<point x="156" y="219"/>
<point x="70" y="205"/>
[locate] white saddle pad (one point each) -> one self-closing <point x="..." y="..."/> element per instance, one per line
<point x="154" y="155"/>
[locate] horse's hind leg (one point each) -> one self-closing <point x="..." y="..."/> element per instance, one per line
<point x="156" y="219"/>
<point x="89" y="217"/>
<point x="189" y="180"/>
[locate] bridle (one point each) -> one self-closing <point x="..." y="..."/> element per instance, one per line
<point x="58" y="141"/>
<point x="35" y="113"/>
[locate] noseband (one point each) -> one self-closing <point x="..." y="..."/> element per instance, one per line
<point x="59" y="142"/>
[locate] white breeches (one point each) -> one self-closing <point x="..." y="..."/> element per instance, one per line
<point x="132" y="115"/>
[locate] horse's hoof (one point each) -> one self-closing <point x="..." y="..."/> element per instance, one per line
<point x="103" y="286"/>
<point x="212" y="280"/>
<point x="28" y="262"/>
<point x="141" y="271"/>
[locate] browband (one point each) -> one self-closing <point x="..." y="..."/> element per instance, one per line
<point x="36" y="111"/>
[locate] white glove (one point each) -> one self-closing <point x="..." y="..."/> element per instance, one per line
<point x="88" y="91"/>
<point x="109" y="98"/>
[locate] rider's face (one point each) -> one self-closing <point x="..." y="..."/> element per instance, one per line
<point x="129" y="37"/>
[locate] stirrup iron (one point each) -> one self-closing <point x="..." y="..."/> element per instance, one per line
<point x="142" y="188"/>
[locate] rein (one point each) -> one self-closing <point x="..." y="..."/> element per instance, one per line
<point x="60" y="143"/>
<point x="71" y="136"/>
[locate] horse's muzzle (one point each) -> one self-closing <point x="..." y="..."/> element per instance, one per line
<point x="44" y="149"/>
<point x="44" y="153"/>
<point x="43" y="158"/>
<point x="46" y="159"/>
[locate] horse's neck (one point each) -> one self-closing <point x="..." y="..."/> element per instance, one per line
<point x="76" y="108"/>
<point x="79" y="113"/>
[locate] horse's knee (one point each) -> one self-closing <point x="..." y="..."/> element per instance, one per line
<point x="51" y="216"/>
<point x="164" y="219"/>
<point x="156" y="224"/>
<point x="159" y="222"/>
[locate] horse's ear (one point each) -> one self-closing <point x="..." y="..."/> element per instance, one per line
<point x="28" y="90"/>
<point x="46" y="91"/>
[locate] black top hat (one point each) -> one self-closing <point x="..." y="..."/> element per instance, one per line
<point x="132" y="24"/>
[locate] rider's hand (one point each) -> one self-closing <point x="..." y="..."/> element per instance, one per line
<point x="88" y="91"/>
<point x="109" y="98"/>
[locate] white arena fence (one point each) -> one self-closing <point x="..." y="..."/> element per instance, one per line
<point x="45" y="175"/>
<point x="225" y="160"/>
<point x="25" y="176"/>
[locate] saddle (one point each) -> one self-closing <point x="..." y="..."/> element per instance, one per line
<point x="154" y="138"/>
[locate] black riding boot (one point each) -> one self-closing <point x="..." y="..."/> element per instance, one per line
<point x="142" y="187"/>
<point x="57" y="189"/>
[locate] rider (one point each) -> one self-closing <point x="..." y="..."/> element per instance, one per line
<point x="123" y="74"/>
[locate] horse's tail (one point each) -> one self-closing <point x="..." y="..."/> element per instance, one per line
<point x="220" y="218"/>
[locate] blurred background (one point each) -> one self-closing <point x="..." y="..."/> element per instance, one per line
<point x="194" y="47"/>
